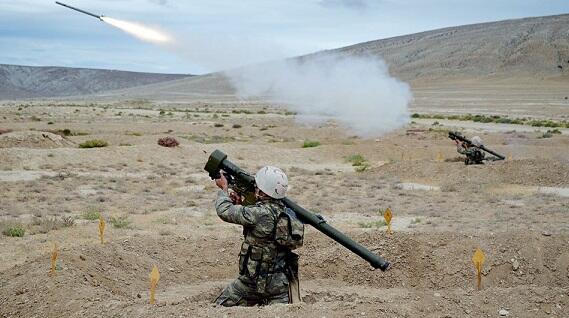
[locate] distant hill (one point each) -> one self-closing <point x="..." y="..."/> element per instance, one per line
<point x="531" y="47"/>
<point x="510" y="51"/>
<point x="18" y="81"/>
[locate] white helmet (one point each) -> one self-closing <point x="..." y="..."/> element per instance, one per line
<point x="477" y="141"/>
<point x="272" y="181"/>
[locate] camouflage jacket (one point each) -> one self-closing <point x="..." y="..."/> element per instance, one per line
<point x="472" y="153"/>
<point x="259" y="255"/>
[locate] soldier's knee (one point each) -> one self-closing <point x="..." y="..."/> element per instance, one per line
<point x="277" y="289"/>
<point x="232" y="295"/>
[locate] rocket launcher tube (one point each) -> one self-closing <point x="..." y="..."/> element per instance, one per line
<point x="242" y="180"/>
<point x="457" y="136"/>
<point x="100" y="17"/>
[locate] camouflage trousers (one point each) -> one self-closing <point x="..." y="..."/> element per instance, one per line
<point x="243" y="292"/>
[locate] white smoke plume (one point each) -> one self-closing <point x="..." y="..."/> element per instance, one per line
<point x="145" y="33"/>
<point x="215" y="52"/>
<point x="356" y="92"/>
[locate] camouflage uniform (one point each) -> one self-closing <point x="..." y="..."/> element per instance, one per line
<point x="262" y="264"/>
<point x="473" y="154"/>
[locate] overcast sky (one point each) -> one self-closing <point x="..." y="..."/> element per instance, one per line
<point x="217" y="34"/>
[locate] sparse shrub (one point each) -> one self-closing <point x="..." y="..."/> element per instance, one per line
<point x="14" y="231"/>
<point x="436" y="123"/>
<point x="261" y="112"/>
<point x="217" y="125"/>
<point x="359" y="162"/>
<point x="120" y="222"/>
<point x="50" y="123"/>
<point x="547" y="134"/>
<point x="35" y="118"/>
<point x="168" y="142"/>
<point x="67" y="221"/>
<point x="162" y="112"/>
<point x="237" y="126"/>
<point x="62" y="132"/>
<point x="125" y="144"/>
<point x="91" y="215"/>
<point x="362" y="167"/>
<point x="45" y="224"/>
<point x="356" y="159"/>
<point x="289" y="113"/>
<point x="555" y="131"/>
<point x="93" y="143"/>
<point x="310" y="143"/>
<point x="133" y="133"/>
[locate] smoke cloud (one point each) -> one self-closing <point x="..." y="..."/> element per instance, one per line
<point x="140" y="31"/>
<point x="356" y="92"/>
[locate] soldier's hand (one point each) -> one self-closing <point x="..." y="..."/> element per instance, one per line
<point x="221" y="182"/>
<point x="235" y="197"/>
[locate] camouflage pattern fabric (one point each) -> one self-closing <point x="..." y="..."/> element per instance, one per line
<point x="243" y="292"/>
<point x="262" y="264"/>
<point x="473" y="155"/>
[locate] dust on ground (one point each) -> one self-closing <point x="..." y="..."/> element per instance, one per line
<point x="161" y="202"/>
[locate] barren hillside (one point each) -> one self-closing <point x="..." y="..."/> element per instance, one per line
<point x="531" y="47"/>
<point x="28" y="81"/>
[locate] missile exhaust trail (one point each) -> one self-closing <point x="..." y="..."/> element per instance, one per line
<point x="100" y="17"/>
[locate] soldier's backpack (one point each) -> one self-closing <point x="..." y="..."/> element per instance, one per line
<point x="289" y="230"/>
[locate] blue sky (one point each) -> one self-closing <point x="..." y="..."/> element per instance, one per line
<point x="219" y="34"/>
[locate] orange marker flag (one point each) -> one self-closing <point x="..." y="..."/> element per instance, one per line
<point x="154" y="278"/>
<point x="387" y="216"/>
<point x="54" y="254"/>
<point x="478" y="260"/>
<point x="102" y="229"/>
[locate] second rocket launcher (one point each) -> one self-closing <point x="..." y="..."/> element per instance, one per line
<point x="244" y="183"/>
<point x="100" y="17"/>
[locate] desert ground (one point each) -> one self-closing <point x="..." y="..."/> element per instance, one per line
<point x="158" y="205"/>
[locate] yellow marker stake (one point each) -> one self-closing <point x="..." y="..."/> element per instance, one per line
<point x="54" y="254"/>
<point x="478" y="260"/>
<point x="102" y="229"/>
<point x="510" y="157"/>
<point x="387" y="216"/>
<point x="154" y="278"/>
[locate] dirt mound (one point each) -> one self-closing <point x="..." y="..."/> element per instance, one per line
<point x="33" y="139"/>
<point x="529" y="172"/>
<point x="113" y="279"/>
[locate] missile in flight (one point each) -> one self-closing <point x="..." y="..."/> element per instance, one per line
<point x="100" y="17"/>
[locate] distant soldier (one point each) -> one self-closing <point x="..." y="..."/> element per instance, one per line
<point x="473" y="154"/>
<point x="267" y="269"/>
